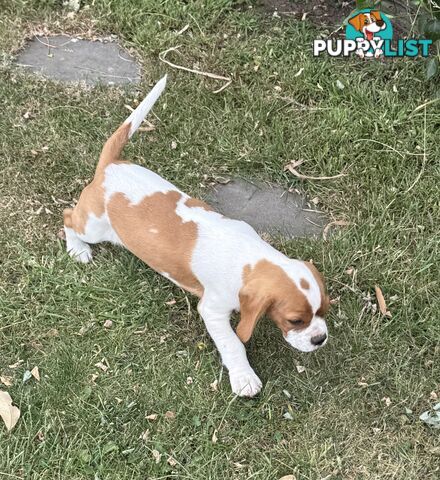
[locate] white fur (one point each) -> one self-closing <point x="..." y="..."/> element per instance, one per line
<point x="142" y="110"/>
<point x="301" y="339"/>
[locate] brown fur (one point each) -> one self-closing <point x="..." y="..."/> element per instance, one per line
<point x="304" y="284"/>
<point x="167" y="251"/>
<point x="195" y="202"/>
<point x="267" y="288"/>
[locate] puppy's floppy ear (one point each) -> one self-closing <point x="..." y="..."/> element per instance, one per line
<point x="253" y="304"/>
<point x="357" y="21"/>
<point x="376" y="15"/>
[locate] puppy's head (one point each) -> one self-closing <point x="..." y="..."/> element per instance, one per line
<point x="368" y="23"/>
<point x="293" y="295"/>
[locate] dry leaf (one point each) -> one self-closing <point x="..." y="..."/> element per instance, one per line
<point x="173" y="145"/>
<point x="170" y="415"/>
<point x="171" y="302"/>
<point x="214" y="385"/>
<point x="381" y="302"/>
<point x="16" y="364"/>
<point x="189" y="381"/>
<point x="171" y="461"/>
<point x="387" y="401"/>
<point x="288" y="477"/>
<point x="36" y="373"/>
<point x="9" y="413"/>
<point x="156" y="456"/>
<point x="145" y="435"/>
<point x="433" y="396"/>
<point x="102" y="366"/>
<point x="6" y="380"/>
<point x="300" y="368"/>
<point x="152" y="416"/>
<point x="214" y="436"/>
<point x="108" y="324"/>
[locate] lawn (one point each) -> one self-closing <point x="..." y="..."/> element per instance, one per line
<point x="353" y="413"/>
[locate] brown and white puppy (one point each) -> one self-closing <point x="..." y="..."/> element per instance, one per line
<point x="222" y="261"/>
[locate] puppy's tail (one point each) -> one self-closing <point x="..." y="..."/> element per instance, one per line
<point x="114" y="145"/>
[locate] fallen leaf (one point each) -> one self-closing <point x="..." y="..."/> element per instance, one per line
<point x="300" y="369"/>
<point x="287" y="393"/>
<point x="156" y="455"/>
<point x="16" y="364"/>
<point x="171" y="302"/>
<point x="288" y="477"/>
<point x="9" y="413"/>
<point x="170" y="415"/>
<point x="39" y="436"/>
<point x="145" y="435"/>
<point x="173" y="145"/>
<point x="189" y="381"/>
<point x="171" y="461"/>
<point x="387" y="401"/>
<point x="36" y="373"/>
<point x="433" y="396"/>
<point x="27" y="115"/>
<point x="288" y="416"/>
<point x="340" y="85"/>
<point x="381" y="302"/>
<point x="214" y="437"/>
<point x="214" y="385"/>
<point x="432" y="418"/>
<point x="152" y="416"/>
<point x="102" y="366"/>
<point x="6" y="380"/>
<point x="108" y="324"/>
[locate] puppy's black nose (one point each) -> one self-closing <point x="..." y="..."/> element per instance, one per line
<point x="318" y="339"/>
<point x="379" y="23"/>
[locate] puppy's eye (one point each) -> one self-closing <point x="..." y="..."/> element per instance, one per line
<point x="296" y="323"/>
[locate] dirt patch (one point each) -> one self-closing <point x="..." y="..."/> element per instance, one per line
<point x="320" y="12"/>
<point x="332" y="13"/>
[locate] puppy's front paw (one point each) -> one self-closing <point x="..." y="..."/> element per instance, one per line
<point x="245" y="383"/>
<point x="82" y="254"/>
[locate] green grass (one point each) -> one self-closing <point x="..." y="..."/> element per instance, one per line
<point x="75" y="428"/>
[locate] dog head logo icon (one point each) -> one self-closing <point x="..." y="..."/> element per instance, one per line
<point x="371" y="26"/>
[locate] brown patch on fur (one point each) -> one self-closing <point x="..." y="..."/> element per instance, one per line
<point x="325" y="301"/>
<point x="304" y="284"/>
<point x="195" y="202"/>
<point x="267" y="288"/>
<point x="169" y="250"/>
<point x="91" y="199"/>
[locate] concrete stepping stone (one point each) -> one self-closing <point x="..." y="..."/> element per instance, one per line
<point x="69" y="59"/>
<point x="269" y="209"/>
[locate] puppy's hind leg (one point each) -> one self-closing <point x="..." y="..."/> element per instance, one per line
<point x="77" y="248"/>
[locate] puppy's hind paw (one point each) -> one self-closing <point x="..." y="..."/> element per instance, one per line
<point x="245" y="383"/>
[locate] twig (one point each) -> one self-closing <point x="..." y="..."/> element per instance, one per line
<point x="380" y="143"/>
<point x="340" y="223"/>
<point x="162" y="58"/>
<point x="291" y="168"/>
